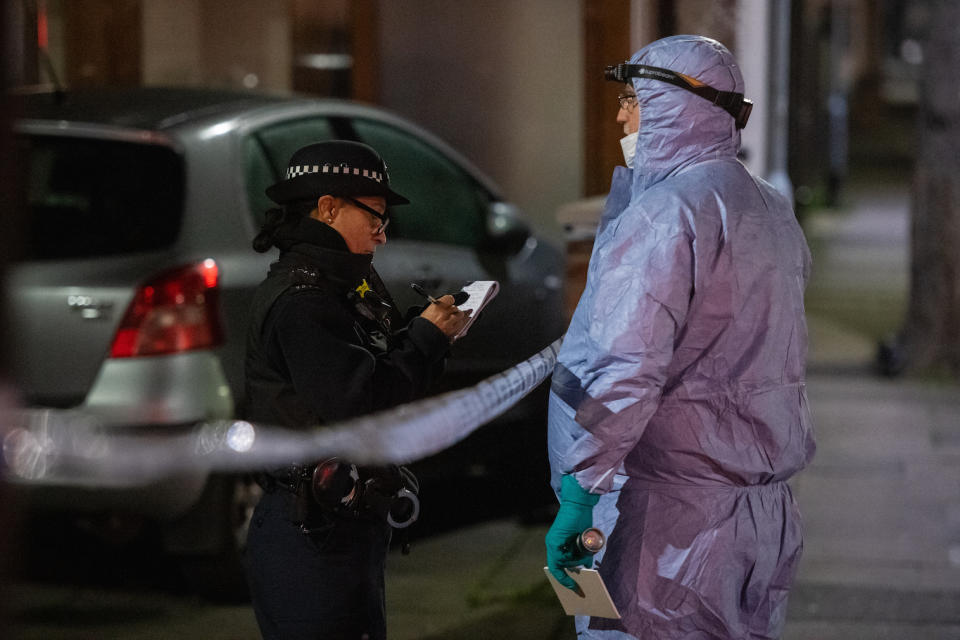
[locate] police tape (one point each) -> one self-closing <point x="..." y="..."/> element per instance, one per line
<point x="69" y="447"/>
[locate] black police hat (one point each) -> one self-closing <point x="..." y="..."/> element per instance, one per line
<point x="338" y="168"/>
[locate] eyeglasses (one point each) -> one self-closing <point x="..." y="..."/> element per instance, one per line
<point x="732" y="102"/>
<point x="627" y="100"/>
<point x="382" y="217"/>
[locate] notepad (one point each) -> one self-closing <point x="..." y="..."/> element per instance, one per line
<point x="481" y="292"/>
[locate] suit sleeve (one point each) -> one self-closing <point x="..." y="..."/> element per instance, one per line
<point x="644" y="282"/>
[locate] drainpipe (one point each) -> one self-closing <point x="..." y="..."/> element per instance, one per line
<point x="778" y="98"/>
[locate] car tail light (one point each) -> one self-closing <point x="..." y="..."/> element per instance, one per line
<point x="175" y="311"/>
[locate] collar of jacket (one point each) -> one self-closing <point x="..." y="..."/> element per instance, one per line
<point x="314" y="245"/>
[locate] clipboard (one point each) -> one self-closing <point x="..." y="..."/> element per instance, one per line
<point x="592" y="598"/>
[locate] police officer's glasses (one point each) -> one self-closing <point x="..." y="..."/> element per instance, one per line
<point x="627" y="101"/>
<point x="382" y="217"/>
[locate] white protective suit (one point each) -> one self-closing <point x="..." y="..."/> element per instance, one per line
<point x="679" y="389"/>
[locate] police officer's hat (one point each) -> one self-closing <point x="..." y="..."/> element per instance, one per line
<point x="338" y="168"/>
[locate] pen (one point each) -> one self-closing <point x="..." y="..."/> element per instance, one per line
<point x="416" y="287"/>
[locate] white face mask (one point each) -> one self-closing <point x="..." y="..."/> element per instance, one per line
<point x="629" y="146"/>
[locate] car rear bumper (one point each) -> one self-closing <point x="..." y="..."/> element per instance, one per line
<point x="73" y="459"/>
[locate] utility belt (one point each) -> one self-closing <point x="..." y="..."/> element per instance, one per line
<point x="339" y="489"/>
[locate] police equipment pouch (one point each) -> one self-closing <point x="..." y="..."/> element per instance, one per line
<point x="333" y="485"/>
<point x="379" y="493"/>
<point x="730" y="101"/>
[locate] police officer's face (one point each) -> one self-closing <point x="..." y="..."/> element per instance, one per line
<point x="361" y="230"/>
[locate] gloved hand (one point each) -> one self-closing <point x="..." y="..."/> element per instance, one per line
<point x="575" y="515"/>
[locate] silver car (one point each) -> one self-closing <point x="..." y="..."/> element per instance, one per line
<point x="130" y="301"/>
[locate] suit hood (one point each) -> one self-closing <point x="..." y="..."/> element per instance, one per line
<point x="679" y="128"/>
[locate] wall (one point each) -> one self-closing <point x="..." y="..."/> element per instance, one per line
<point x="171" y="42"/>
<point x="254" y="51"/>
<point x="235" y="43"/>
<point x="501" y="81"/>
<point x="104" y="43"/>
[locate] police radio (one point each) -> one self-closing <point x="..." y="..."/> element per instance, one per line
<point x="390" y="492"/>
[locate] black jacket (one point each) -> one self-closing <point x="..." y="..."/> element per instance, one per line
<point x="321" y="347"/>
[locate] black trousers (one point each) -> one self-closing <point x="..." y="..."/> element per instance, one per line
<point x="328" y="584"/>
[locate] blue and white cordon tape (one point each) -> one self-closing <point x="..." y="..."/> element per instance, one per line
<point x="74" y="448"/>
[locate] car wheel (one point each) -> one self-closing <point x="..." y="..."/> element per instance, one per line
<point x="213" y="565"/>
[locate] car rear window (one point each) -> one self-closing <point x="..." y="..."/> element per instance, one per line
<point x="89" y="198"/>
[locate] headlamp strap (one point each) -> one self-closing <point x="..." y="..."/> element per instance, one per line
<point x="730" y="101"/>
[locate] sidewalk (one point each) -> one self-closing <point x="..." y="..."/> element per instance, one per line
<point x="881" y="501"/>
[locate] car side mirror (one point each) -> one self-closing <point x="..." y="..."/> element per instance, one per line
<point x="507" y="232"/>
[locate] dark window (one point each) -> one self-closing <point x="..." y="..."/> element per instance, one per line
<point x="281" y="140"/>
<point x="267" y="154"/>
<point x="90" y="198"/>
<point x="260" y="175"/>
<point x="446" y="204"/>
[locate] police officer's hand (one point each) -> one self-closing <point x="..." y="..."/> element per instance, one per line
<point x="446" y="316"/>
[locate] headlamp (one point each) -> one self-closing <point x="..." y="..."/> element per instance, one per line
<point x="730" y="101"/>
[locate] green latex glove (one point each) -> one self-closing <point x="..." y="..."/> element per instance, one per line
<point x="575" y="515"/>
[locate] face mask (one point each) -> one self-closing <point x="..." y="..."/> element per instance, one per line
<point x="629" y="146"/>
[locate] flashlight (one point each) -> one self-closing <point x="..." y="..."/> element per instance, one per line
<point x="586" y="543"/>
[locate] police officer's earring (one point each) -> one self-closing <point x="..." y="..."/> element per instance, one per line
<point x="328" y="215"/>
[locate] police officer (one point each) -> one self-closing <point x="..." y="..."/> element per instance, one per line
<point x="326" y="343"/>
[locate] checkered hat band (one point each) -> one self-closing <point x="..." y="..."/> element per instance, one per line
<point x="334" y="169"/>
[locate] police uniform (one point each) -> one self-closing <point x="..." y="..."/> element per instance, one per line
<point x="326" y="344"/>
